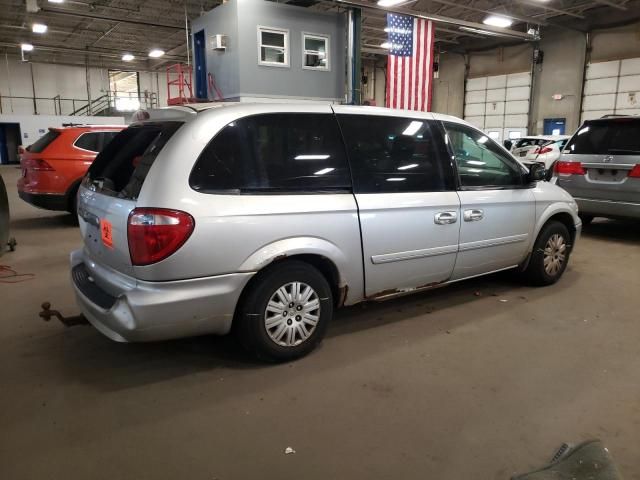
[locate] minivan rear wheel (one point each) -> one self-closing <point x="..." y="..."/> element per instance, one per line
<point x="550" y="255"/>
<point x="286" y="312"/>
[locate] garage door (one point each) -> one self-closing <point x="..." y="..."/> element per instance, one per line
<point x="612" y="88"/>
<point x="499" y="104"/>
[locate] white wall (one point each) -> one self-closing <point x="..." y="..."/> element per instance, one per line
<point x="32" y="127"/>
<point x="70" y="82"/>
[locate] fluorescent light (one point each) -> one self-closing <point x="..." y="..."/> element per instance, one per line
<point x="127" y="57"/>
<point x="311" y="157"/>
<point x="498" y="21"/>
<point x="407" y="167"/>
<point x="324" y="170"/>
<point x="26" y="47"/>
<point x="391" y="3"/>
<point x="56" y="1"/>
<point x="38" y="28"/>
<point x="412" y="128"/>
<point x="156" y="53"/>
<point x="396" y="179"/>
<point x="385" y="45"/>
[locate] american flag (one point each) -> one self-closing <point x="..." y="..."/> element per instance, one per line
<point x="410" y="62"/>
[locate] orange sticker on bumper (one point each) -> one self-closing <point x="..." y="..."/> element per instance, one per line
<point x="106" y="232"/>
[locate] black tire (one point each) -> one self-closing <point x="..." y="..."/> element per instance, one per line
<point x="586" y="219"/>
<point x="73" y="202"/>
<point x="535" y="273"/>
<point x="250" y="319"/>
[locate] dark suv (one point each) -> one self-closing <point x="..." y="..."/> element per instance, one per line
<point x="600" y="167"/>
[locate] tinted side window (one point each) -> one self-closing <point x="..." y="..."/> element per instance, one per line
<point x="481" y="162"/>
<point x="280" y="152"/>
<point x="392" y="154"/>
<point x="106" y="138"/>
<point x="89" y="141"/>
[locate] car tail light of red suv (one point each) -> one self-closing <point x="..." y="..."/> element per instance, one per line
<point x="569" y="168"/>
<point x="156" y="233"/>
<point x="36" y="165"/>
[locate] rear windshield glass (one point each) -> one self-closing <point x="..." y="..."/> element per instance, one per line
<point x="43" y="142"/>
<point x="612" y="137"/>
<point x="529" y="142"/>
<point x="121" y="168"/>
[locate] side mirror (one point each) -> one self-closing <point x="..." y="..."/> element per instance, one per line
<point x="537" y="173"/>
<point x="507" y="144"/>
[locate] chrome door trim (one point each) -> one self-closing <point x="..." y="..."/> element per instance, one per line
<point x="445" y="218"/>
<point x="473" y="215"/>
<point x="493" y="242"/>
<point x="413" y="254"/>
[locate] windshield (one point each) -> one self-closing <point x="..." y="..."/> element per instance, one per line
<point x="121" y="168"/>
<point x="619" y="136"/>
<point x="44" y="141"/>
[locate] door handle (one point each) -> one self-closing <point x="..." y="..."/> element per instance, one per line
<point x="445" y="218"/>
<point x="473" y="215"/>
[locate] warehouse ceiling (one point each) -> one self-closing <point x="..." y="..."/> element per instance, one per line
<point x="99" y="32"/>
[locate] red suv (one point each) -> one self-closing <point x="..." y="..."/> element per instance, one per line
<point x="53" y="166"/>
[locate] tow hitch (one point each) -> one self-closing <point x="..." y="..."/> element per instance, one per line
<point x="46" y="314"/>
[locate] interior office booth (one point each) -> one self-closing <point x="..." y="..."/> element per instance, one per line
<point x="252" y="50"/>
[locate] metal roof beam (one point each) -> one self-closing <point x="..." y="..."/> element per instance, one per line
<point x="544" y="6"/>
<point x="502" y="32"/>
<point x="108" y="18"/>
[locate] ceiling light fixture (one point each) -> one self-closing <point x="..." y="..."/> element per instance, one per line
<point x="127" y="57"/>
<point x="156" y="53"/>
<point x="26" y="47"/>
<point x="498" y="21"/>
<point x="56" y="1"/>
<point x="38" y="28"/>
<point x="391" y="3"/>
<point x="385" y="45"/>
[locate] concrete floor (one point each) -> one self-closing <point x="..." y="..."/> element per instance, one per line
<point x="445" y="385"/>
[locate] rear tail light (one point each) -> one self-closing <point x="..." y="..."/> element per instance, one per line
<point x="546" y="150"/>
<point x="37" y="165"/>
<point x="156" y="233"/>
<point x="569" y="168"/>
<point x="635" y="172"/>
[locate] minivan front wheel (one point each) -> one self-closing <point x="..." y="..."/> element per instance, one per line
<point x="286" y="312"/>
<point x="550" y="254"/>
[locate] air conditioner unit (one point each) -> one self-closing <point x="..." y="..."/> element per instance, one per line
<point x="218" y="42"/>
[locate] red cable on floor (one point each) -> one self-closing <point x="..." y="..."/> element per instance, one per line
<point x="9" y="275"/>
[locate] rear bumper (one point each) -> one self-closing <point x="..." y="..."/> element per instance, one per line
<point x="129" y="310"/>
<point x="48" y="201"/>
<point x="608" y="208"/>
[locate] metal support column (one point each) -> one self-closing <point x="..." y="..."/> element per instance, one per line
<point x="354" y="38"/>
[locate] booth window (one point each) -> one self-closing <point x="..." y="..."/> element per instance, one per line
<point x="315" y="52"/>
<point x="273" y="47"/>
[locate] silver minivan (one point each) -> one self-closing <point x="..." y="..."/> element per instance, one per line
<point x="600" y="167"/>
<point x="264" y="218"/>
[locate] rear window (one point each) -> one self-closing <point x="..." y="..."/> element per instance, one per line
<point x="273" y="153"/>
<point x="529" y="142"/>
<point x="613" y="137"/>
<point x="43" y="142"/>
<point x="122" y="166"/>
